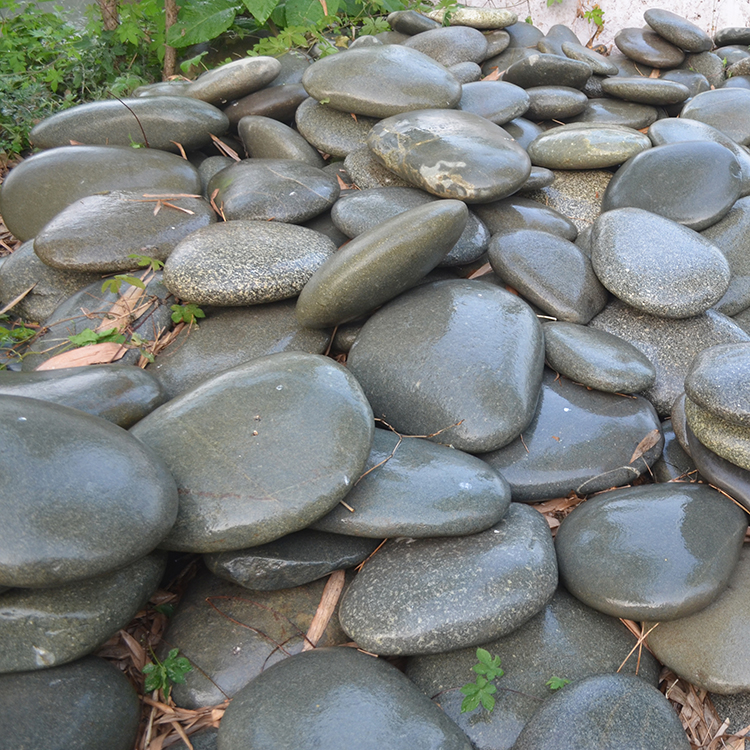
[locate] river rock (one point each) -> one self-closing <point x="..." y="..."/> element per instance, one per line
<point x="101" y="503"/>
<point x="554" y="102"/>
<point x="655" y="91"/>
<point x="673" y="547"/>
<point x="433" y="595"/>
<point x="333" y="132"/>
<point x="411" y="22"/>
<point x="380" y="264"/>
<point x="165" y="120"/>
<point x="451" y="154"/>
<point x="615" y="112"/>
<point x="415" y="488"/>
<point x="523" y="131"/>
<point x="548" y="70"/>
<point x="87" y="705"/>
<point x="599" y="64"/>
<point x="382" y="81"/>
<point x="726" y="109"/>
<point x="516" y="212"/>
<point x="678" y="30"/>
<point x="478" y="18"/>
<point x="265" y="138"/>
<point x="367" y="171"/>
<point x="405" y="359"/>
<point x="245" y="262"/>
<point x="729" y="439"/>
<point x="268" y="414"/>
<point x="497" y="101"/>
<point x="46" y="183"/>
<point x="450" y="45"/>
<point x="278" y="102"/>
<point x="234" y="80"/>
<point x="48" y="627"/>
<point x="579" y="440"/>
<point x="647" y="47"/>
<point x="298" y="703"/>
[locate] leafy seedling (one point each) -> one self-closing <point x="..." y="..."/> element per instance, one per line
<point x="162" y="675"/>
<point x="113" y="285"/>
<point x="555" y="683"/>
<point x="482" y="689"/>
<point x="186" y="313"/>
<point x="88" y="336"/>
<point x="146" y="261"/>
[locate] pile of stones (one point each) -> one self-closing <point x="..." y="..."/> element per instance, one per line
<point x="530" y="265"/>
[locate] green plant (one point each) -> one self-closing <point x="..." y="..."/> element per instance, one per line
<point x="89" y="336"/>
<point x="550" y="3"/>
<point x="114" y="283"/>
<point x="595" y="16"/>
<point x="162" y="675"/>
<point x="16" y="334"/>
<point x="146" y="261"/>
<point x="555" y="683"/>
<point x="186" y="313"/>
<point x="482" y="689"/>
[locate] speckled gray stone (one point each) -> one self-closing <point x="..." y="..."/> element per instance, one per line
<point x="46" y="183"/>
<point x="554" y="102"/>
<point x="166" y="120"/>
<point x="674" y="463"/>
<point x="654" y="552"/>
<point x="411" y="22"/>
<point x="732" y="35"/>
<point x="86" y="705"/>
<point x="227" y="337"/>
<point x="615" y="112"/>
<point x="248" y="453"/>
<point x="516" y="212"/>
<point x="297" y="704"/>
<point x="266" y="138"/>
<point x="670" y="345"/>
<point x="605" y="712"/>
<point x="47" y="627"/>
<point x="433" y="595"/>
<point x="68" y="513"/>
<point x="278" y="102"/>
<point x="231" y="634"/>
<point x="710" y="648"/>
<point x="726" y="109"/>
<point x="566" y="636"/>
<point x="277" y="190"/>
<point x="293" y="560"/>
<point x="654" y="91"/>
<point x="678" y="30"/>
<point x="548" y="70"/>
<point x="478" y="18"/>
<point x="381" y="81"/>
<point x="245" y="262"/>
<point x="333" y="132"/>
<point x="451" y="154"/>
<point x="600" y="65"/>
<point x="450" y="45"/>
<point x="498" y="101"/>
<point x="647" y="47"/>
<point x="449" y="352"/>
<point x="523" y="131"/>
<point x="122" y="394"/>
<point x="97" y="233"/>
<point x="727" y="439"/>
<point x="538" y="179"/>
<point x="367" y="171"/>
<point x="421" y="490"/>
<point x="234" y="80"/>
<point x="550" y="272"/>
<point x="596" y="359"/>
<point x="465" y="72"/>
<point x="580" y="440"/>
<point x="707" y="64"/>
<point x="381" y="263"/>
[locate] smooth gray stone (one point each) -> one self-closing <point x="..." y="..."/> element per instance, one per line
<point x="227" y="337"/>
<point x="524" y="34"/>
<point x="679" y="422"/>
<point x="739" y="82"/>
<point x="381" y="263"/>
<point x="678" y="30"/>
<point x="434" y="595"/>
<point x="710" y="648"/>
<point x="596" y="359"/>
<point x="674" y="463"/>
<point x="680" y="129"/>
<point x="265" y="138"/>
<point x="707" y="64"/>
<point x="599" y="64"/>
<point x="516" y="212"/>
<point x="166" y="120"/>
<point x="449" y="45"/>
<point x="391" y="37"/>
<point x="579" y="440"/>
<point x="277" y="102"/>
<point x="411" y="22"/>
<point x="497" y="101"/>
<point x="162" y="88"/>
<point x="44" y="184"/>
<point x="333" y="132"/>
<point x="654" y="552"/>
<point x="231" y="634"/>
<point x="80" y="497"/>
<point x="555" y="102"/>
<point x="615" y="112"/>
<point x="648" y="47"/>
<point x="451" y="154"/>
<point x="743" y="319"/>
<point x="358" y="211"/>
<point x="297" y="704"/>
<point x="276" y="190"/>
<point x="670" y="345"/>
<point x="367" y="171"/>
<point x="293" y="65"/>
<point x="560" y="33"/>
<point x="586" y="145"/>
<point x="122" y="394"/>
<point x="629" y="67"/>
<point x="548" y="70"/>
<point x="465" y="72"/>
<point x="323" y="224"/>
<point x="205" y="739"/>
<point x="715" y="381"/>
<point x="728" y="439"/>
<point x="382" y="81"/>
<point x="549" y="271"/>
<point x="695" y="82"/>
<point x="654" y="91"/>
<point x="656" y="265"/>
<point x="245" y="262"/>
<point x="732" y="54"/>
<point x="273" y="449"/>
<point x="502" y="61"/>
<point x="406" y="359"/>
<point x="293" y="560"/>
<point x="693" y="183"/>
<point x="523" y="131"/>
<point x="566" y="637"/>
<point x="234" y="80"/>
<point x="96" y="234"/>
<point x="726" y="109"/>
<point x="593" y="88"/>
<point x="733" y="708"/>
<point x="51" y="286"/>
<point x="605" y="712"/>
<point x="210" y="166"/>
<point x="419" y="489"/>
<point x="93" y="308"/>
<point x="87" y="705"/>
<point x="497" y="41"/>
<point x="477" y="18"/>
<point x="583" y="241"/>
<point x="732" y="35"/>
<point x="538" y="179"/>
<point x="48" y="627"/>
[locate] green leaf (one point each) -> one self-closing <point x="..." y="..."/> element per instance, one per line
<point x="470" y="688"/>
<point x="165" y="609"/>
<point x="260" y="10"/>
<point x="303" y="12"/>
<point x="186" y="313"/>
<point x="487" y="700"/>
<point x="147" y="260"/>
<point x="132" y="280"/>
<point x="185" y="65"/>
<point x="555" y="683"/>
<point x="469" y="703"/>
<point x="86" y="336"/>
<point x="201" y="22"/>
